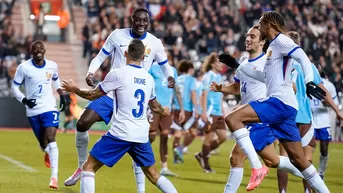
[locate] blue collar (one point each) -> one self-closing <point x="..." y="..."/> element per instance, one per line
<point x="275" y="38"/>
<point x="33" y="63"/>
<point x="135" y="66"/>
<point x="140" y="38"/>
<point x="258" y="57"/>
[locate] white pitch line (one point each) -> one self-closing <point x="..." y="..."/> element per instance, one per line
<point x="18" y="163"/>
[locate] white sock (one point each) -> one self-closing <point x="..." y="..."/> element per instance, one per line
<point x="46" y="150"/>
<point x="53" y="156"/>
<point x="87" y="182"/>
<point x="307" y="191"/>
<point x="244" y="142"/>
<point x="82" y="146"/>
<point x="314" y="180"/>
<point x="323" y="164"/>
<point x="165" y="185"/>
<point x="286" y="165"/>
<point x="140" y="178"/>
<point x="234" y="181"/>
<point x="283" y="191"/>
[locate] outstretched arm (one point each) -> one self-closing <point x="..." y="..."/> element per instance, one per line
<point x="90" y="94"/>
<point x="157" y="108"/>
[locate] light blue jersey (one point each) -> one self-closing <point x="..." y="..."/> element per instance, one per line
<point x="214" y="99"/>
<point x="164" y="94"/>
<point x="304" y="111"/>
<point x="199" y="89"/>
<point x="186" y="84"/>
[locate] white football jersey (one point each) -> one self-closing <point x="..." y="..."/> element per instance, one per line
<point x="278" y="69"/>
<point x="37" y="83"/>
<point x="250" y="88"/>
<point x="320" y="111"/>
<point x="133" y="88"/>
<point x="118" y="41"/>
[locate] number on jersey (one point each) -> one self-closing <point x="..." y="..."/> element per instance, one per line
<point x="244" y="87"/>
<point x="140" y="95"/>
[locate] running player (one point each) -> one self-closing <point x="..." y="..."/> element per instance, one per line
<point x="321" y="123"/>
<point x="129" y="133"/>
<point x="304" y="115"/>
<point x="279" y="109"/>
<point x="211" y="112"/>
<point x="186" y="84"/>
<point x="38" y="74"/>
<point x="260" y="134"/>
<point x="158" y="123"/>
<point x="101" y="108"/>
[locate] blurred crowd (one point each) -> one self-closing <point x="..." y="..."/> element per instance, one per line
<point x="14" y="47"/>
<point x="192" y="29"/>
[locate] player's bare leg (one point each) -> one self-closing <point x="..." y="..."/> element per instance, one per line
<point x="176" y="143"/>
<point x="52" y="152"/>
<point x="189" y="138"/>
<point x="90" y="166"/>
<point x="87" y="119"/>
<point x="158" y="180"/>
<point x="164" y="153"/>
<point x="323" y="159"/>
<point x="234" y="121"/>
<point x="206" y="149"/>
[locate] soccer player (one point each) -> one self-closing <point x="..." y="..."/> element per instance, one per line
<point x="38" y="74"/>
<point x="260" y="134"/>
<point x="129" y="132"/>
<point x="304" y="115"/>
<point x="158" y="123"/>
<point x="101" y="109"/>
<point x="279" y="109"/>
<point x="186" y="84"/>
<point x="211" y="112"/>
<point x="321" y="123"/>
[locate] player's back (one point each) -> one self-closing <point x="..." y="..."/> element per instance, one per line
<point x="321" y="116"/>
<point x="164" y="94"/>
<point x="214" y="99"/>
<point x="37" y="82"/>
<point x="134" y="89"/>
<point x="251" y="89"/>
<point x="186" y="84"/>
<point x="278" y="69"/>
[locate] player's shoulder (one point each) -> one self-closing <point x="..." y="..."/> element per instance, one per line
<point x="283" y="40"/>
<point x="50" y="63"/>
<point x="153" y="39"/>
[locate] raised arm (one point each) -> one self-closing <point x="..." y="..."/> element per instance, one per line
<point x="90" y="94"/>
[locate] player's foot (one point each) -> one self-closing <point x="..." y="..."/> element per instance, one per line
<point x="214" y="152"/>
<point x="185" y="150"/>
<point x="209" y="170"/>
<point x="256" y="178"/>
<point x="200" y="159"/>
<point x="179" y="154"/>
<point x="73" y="179"/>
<point x="47" y="160"/>
<point x="167" y="172"/>
<point x="53" y="183"/>
<point x="321" y="175"/>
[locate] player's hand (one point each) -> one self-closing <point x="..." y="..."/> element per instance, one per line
<point x="166" y="111"/>
<point x="171" y="82"/>
<point x="204" y="117"/>
<point x="182" y="116"/>
<point x="228" y="60"/>
<point x="29" y="102"/>
<point x="216" y="87"/>
<point x="69" y="86"/>
<point x="63" y="103"/>
<point x="312" y="90"/>
<point x="89" y="79"/>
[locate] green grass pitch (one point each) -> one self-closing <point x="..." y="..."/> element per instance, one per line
<point x="22" y="146"/>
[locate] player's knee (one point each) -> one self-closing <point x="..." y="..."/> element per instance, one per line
<point x="271" y="163"/>
<point x="87" y="166"/>
<point x="231" y="120"/>
<point x="222" y="139"/>
<point x="152" y="136"/>
<point x="82" y="125"/>
<point x="193" y="132"/>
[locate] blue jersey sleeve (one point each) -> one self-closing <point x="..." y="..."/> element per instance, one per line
<point x="316" y="76"/>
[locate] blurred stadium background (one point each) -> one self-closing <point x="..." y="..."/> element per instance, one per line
<point x="74" y="31"/>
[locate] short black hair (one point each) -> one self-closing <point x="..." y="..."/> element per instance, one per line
<point x="138" y="9"/>
<point x="136" y="50"/>
<point x="185" y="65"/>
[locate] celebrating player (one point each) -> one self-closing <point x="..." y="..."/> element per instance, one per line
<point x="38" y="74"/>
<point x="101" y="109"/>
<point x="135" y="90"/>
<point x="158" y="123"/>
<point x="260" y="134"/>
<point x="279" y="109"/>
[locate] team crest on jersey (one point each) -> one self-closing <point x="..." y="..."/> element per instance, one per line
<point x="269" y="53"/>
<point x="48" y="76"/>
<point x="147" y="51"/>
